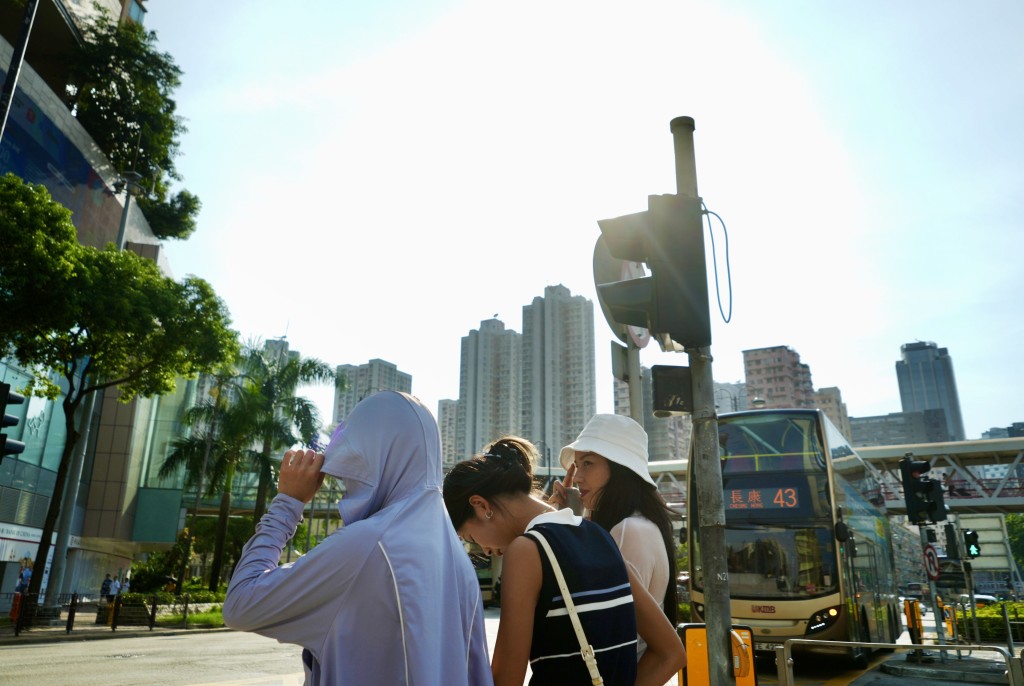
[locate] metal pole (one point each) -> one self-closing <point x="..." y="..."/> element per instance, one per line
<point x="123" y="229"/>
<point x="969" y="568"/>
<point x="636" y="383"/>
<point x="940" y="625"/>
<point x="17" y="59"/>
<point x="710" y="497"/>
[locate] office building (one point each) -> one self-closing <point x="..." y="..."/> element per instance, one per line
<point x="364" y="380"/>
<point x="559" y="393"/>
<point x="490" y="387"/>
<point x="926" y="381"/>
<point x="899" y="428"/>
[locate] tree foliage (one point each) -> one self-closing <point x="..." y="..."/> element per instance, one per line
<point x="122" y="90"/>
<point x="253" y="413"/>
<point x="91" y="319"/>
<point x="1015" y="532"/>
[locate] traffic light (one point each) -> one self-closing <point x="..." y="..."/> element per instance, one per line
<point x="971" y="544"/>
<point x="952" y="549"/>
<point x="9" y="446"/>
<point x="673" y="301"/>
<point x="924" y="496"/>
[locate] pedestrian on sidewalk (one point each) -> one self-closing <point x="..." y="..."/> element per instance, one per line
<point x="491" y="502"/>
<point x="24" y="576"/>
<point x="391" y="597"/>
<point x="105" y="588"/>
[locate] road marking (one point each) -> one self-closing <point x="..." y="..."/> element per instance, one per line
<point x="281" y="680"/>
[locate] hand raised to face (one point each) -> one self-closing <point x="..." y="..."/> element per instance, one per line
<point x="559" y="490"/>
<point x="300" y="474"/>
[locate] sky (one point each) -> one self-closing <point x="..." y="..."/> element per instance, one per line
<point x="379" y="178"/>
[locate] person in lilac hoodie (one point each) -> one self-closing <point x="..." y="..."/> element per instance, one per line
<point x="391" y="597"/>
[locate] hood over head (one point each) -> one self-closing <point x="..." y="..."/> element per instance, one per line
<point x="386" y="450"/>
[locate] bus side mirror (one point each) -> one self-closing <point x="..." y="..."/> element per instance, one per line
<point x="842" y="532"/>
<point x="682" y="535"/>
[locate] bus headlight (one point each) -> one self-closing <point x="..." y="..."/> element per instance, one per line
<point x="822" y="620"/>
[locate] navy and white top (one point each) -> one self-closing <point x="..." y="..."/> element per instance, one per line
<point x="597" y="578"/>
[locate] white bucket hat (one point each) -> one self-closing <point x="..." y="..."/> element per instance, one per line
<point x="616" y="438"/>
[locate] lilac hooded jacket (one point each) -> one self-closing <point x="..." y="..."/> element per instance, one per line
<point x="390" y="598"/>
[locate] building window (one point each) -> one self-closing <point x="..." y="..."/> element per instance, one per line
<point x="136" y="12"/>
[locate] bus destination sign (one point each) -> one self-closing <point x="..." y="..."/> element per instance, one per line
<point x="772" y="498"/>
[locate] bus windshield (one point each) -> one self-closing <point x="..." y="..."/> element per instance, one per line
<point x="778" y="509"/>
<point x="779" y="562"/>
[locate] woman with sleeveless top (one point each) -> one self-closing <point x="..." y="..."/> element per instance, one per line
<point x="492" y="502"/>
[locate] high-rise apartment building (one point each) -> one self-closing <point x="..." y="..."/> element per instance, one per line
<point x="364" y="380"/>
<point x="559" y="394"/>
<point x="776" y="376"/>
<point x="447" y="424"/>
<point x="925" y="376"/>
<point x="490" y="387"/>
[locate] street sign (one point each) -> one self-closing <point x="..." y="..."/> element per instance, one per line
<point x="931" y="562"/>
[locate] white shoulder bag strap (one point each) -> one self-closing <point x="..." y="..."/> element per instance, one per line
<point x="586" y="649"/>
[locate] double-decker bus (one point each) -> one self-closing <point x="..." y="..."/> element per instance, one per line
<point x="807" y="538"/>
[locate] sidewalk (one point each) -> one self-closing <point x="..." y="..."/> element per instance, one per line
<point x="87" y="630"/>
<point x="973" y="666"/>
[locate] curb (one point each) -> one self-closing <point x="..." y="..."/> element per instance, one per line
<point x="36" y="637"/>
<point x="972" y="670"/>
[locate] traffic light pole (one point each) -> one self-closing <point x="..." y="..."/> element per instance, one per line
<point x="635" y="382"/>
<point x="940" y="624"/>
<point x="708" y="467"/>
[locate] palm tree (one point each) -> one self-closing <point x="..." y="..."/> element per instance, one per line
<point x="253" y="412"/>
<point x="282" y="418"/>
<point x="222" y="442"/>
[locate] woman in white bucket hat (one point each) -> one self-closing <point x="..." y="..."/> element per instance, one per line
<point x="608" y="463"/>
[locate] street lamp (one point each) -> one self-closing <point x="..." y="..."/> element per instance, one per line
<point x="733" y="399"/>
<point x="129" y="182"/>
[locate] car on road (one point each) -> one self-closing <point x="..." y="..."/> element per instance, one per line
<point x="980" y="599"/>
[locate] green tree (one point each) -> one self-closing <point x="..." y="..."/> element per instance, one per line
<point x="253" y="413"/>
<point x="223" y="439"/>
<point x="283" y="418"/>
<point x="109" y="319"/>
<point x="122" y="90"/>
<point x="1015" y="532"/>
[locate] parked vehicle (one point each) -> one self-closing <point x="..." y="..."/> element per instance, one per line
<point x="980" y="599"/>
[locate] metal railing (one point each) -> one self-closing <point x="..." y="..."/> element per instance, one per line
<point x="784" y="655"/>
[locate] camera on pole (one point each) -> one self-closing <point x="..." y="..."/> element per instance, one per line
<point x="9" y="446"/>
<point x="673" y="301"/>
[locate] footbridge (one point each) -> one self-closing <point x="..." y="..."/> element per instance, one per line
<point x="983" y="476"/>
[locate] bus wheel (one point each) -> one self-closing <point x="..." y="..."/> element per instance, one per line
<point x="892" y="636"/>
<point x="859" y="656"/>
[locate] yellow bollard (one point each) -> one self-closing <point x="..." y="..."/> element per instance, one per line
<point x="698" y="666"/>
